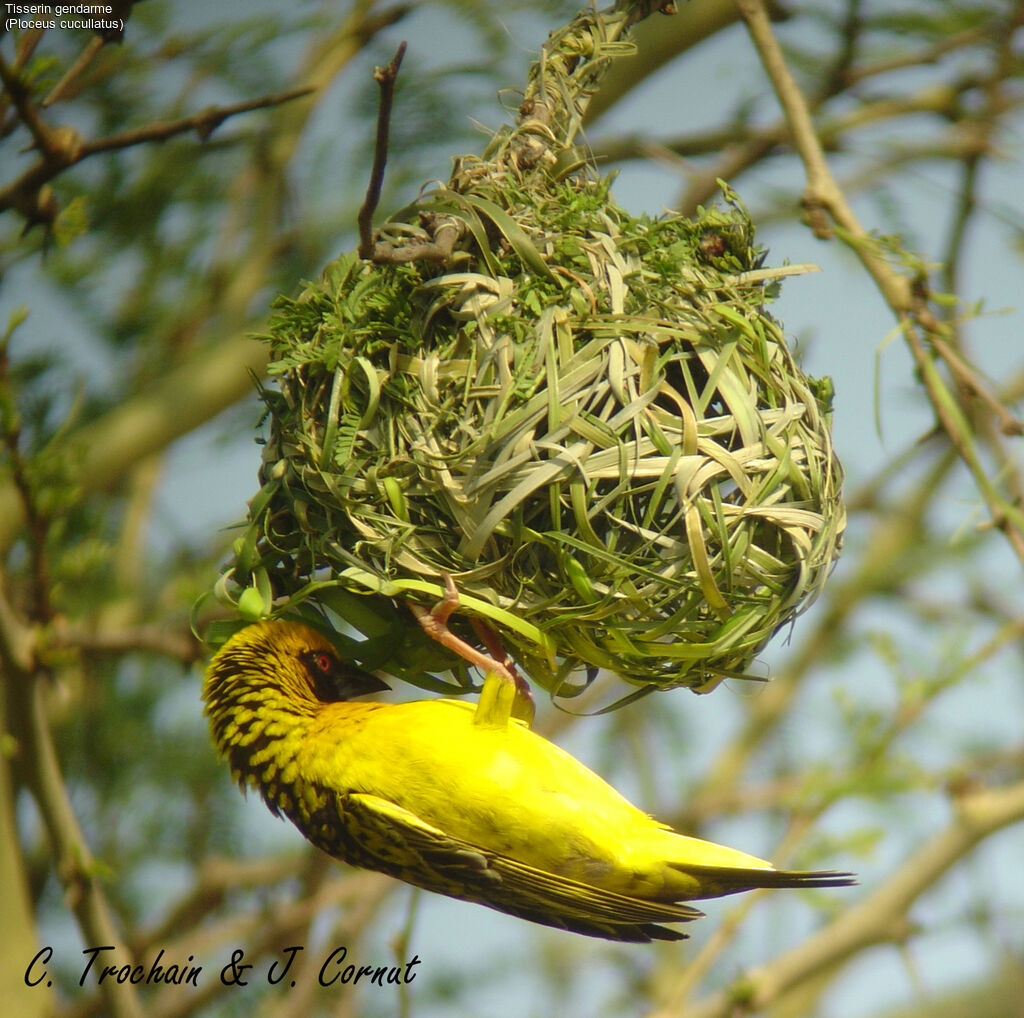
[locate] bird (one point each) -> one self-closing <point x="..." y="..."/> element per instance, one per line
<point x="458" y="798"/>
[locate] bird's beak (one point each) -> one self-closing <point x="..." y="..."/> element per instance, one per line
<point x="356" y="682"/>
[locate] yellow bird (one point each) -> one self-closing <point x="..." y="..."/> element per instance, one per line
<point x="456" y="798"/>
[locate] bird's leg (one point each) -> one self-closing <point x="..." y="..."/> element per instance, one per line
<point x="435" y="624"/>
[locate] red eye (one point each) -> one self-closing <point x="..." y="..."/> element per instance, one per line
<point x="323" y="661"/>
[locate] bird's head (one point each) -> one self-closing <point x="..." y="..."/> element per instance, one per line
<point x="273" y="672"/>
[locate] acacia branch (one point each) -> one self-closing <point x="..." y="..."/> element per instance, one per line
<point x="880" y="918"/>
<point x="907" y="297"/>
<point x="63" y="148"/>
<point x="929" y="55"/>
<point x="215" y="375"/>
<point x="204" y="123"/>
<point x="740" y="146"/>
<point x="46" y="140"/>
<point x="25" y="688"/>
<point x="178" y="644"/>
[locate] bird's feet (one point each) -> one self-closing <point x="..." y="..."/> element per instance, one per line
<point x="497" y="662"/>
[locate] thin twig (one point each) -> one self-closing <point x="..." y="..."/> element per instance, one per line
<point x="204" y="123"/>
<point x="385" y="77"/>
<point x="66" y="148"/>
<point x="967" y="378"/>
<point x="86" y="57"/>
<point x="26" y="47"/>
<point x="918" y="58"/>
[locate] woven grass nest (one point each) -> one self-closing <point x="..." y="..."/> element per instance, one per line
<point x="587" y="418"/>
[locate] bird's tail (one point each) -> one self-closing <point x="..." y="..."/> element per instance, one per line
<point x="718" y="880"/>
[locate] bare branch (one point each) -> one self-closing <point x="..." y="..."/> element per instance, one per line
<point x="386" y="78"/>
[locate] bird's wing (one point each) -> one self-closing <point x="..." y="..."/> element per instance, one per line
<point x="395" y="840"/>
